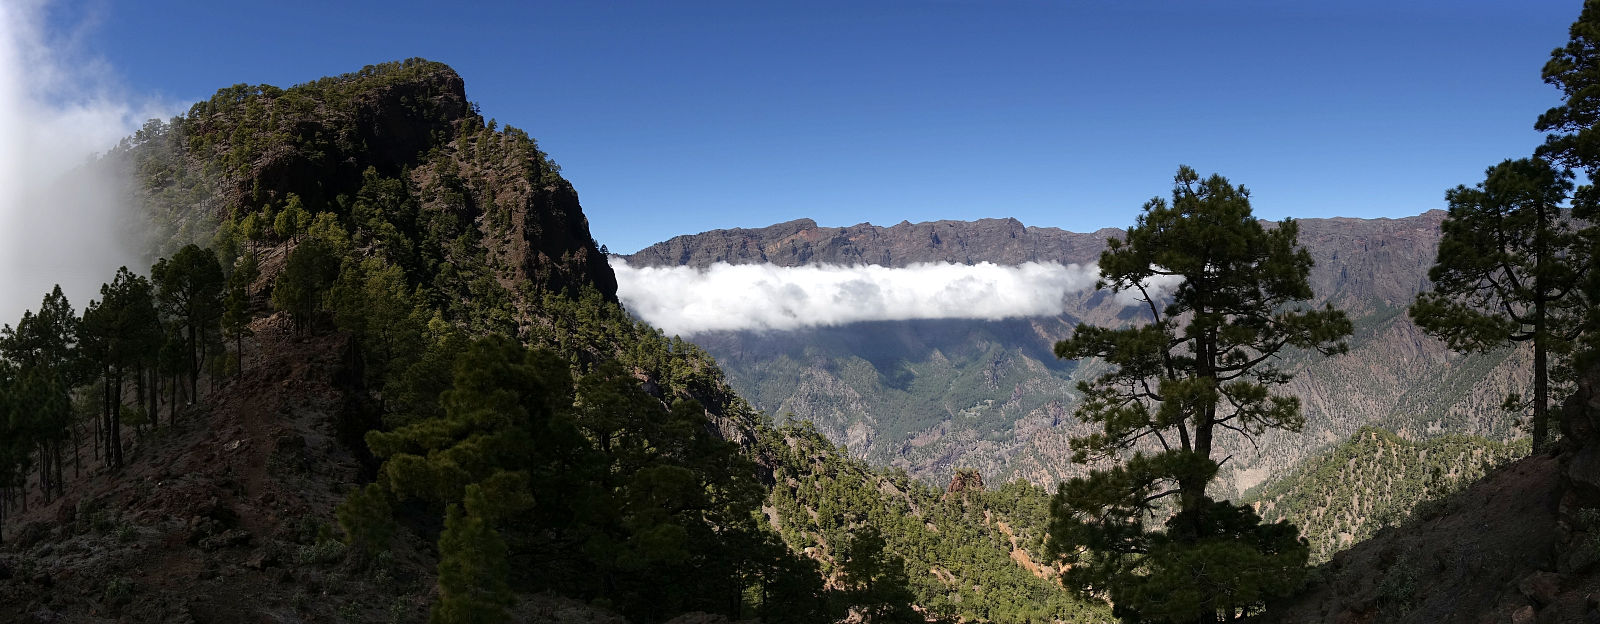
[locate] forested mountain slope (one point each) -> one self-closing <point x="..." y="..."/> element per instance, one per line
<point x="1521" y="544"/>
<point x="420" y="396"/>
<point x="933" y="396"/>
<point x="1373" y="480"/>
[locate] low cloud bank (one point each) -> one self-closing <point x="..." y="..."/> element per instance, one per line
<point x="60" y="222"/>
<point x="687" y="300"/>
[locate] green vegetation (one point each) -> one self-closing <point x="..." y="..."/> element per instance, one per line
<point x="137" y="334"/>
<point x="1507" y="271"/>
<point x="1374" y="480"/>
<point x="121" y="332"/>
<point x="590" y="484"/>
<point x="1199" y="367"/>
<point x="955" y="549"/>
<point x="1571" y="141"/>
<point x="189" y="289"/>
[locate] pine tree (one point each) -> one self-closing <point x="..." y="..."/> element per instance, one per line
<point x="373" y="303"/>
<point x="875" y="580"/>
<point x="367" y="518"/>
<point x="14" y="445"/>
<point x="236" y="316"/>
<point x="294" y="219"/>
<point x="45" y="347"/>
<point x="253" y="228"/>
<point x="477" y="459"/>
<point x="472" y="572"/>
<point x="189" y="288"/>
<point x="1508" y="270"/>
<point x="1573" y="140"/>
<point x="306" y="277"/>
<point x="246" y="273"/>
<point x="1202" y="365"/>
<point x="121" y="331"/>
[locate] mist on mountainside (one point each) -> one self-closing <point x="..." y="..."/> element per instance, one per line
<point x="61" y="216"/>
<point x="686" y="300"/>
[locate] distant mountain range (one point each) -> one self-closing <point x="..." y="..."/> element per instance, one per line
<point x="932" y="396"/>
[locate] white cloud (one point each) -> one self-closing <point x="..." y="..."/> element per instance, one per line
<point x="1158" y="286"/>
<point x="686" y="300"/>
<point x="57" y="109"/>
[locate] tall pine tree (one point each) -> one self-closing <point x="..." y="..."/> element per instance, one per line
<point x="1202" y="365"/>
<point x="189" y="287"/>
<point x="1508" y="271"/>
<point x="1573" y="140"/>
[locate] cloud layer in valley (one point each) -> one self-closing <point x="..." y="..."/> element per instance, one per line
<point x="687" y="300"/>
<point x="60" y="222"/>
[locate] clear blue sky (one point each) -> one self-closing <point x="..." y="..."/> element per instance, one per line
<point x="677" y="117"/>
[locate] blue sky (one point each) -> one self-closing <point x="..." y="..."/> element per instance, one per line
<point x="674" y="118"/>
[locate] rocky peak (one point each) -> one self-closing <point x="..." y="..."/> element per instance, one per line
<point x="965" y="480"/>
<point x="316" y="138"/>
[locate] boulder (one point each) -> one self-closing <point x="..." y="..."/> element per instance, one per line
<point x="67" y="512"/>
<point x="261" y="561"/>
<point x="1541" y="587"/>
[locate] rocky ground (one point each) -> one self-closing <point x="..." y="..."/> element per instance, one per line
<point x="223" y="515"/>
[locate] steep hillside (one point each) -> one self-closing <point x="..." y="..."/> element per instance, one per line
<point x="224" y="513"/>
<point x="649" y="490"/>
<point x="1373" y="480"/>
<point x="935" y="396"/>
<point x="1520" y="545"/>
<point x="967" y="552"/>
<point x="224" y="510"/>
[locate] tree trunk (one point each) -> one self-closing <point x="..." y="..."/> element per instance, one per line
<point x="155" y="395"/>
<point x="95" y="448"/>
<point x="172" y="406"/>
<point x="194" y="364"/>
<point x="102" y="425"/>
<point x="61" y="465"/>
<point x="1192" y="488"/>
<point x="1541" y="381"/>
<point x="116" y="425"/>
<point x="1541" y="373"/>
<point x="138" y="392"/>
<point x="43" y="472"/>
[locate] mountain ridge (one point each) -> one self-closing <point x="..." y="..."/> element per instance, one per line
<point x="849" y="379"/>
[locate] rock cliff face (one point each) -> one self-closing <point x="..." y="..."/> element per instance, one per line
<point x="316" y="139"/>
<point x="1358" y="260"/>
<point x="249" y="147"/>
<point x="933" y="396"/>
<point x="802" y="242"/>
